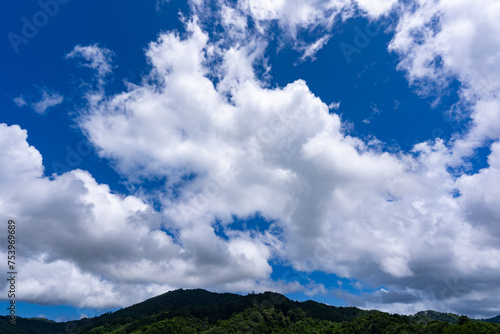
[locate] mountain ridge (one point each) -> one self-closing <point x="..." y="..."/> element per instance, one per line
<point x="201" y="311"/>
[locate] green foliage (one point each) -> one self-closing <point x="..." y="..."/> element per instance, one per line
<point x="200" y="311"/>
<point x="29" y="326"/>
<point x="472" y="327"/>
<point x="426" y="317"/>
<point x="495" y="320"/>
<point x="462" y="320"/>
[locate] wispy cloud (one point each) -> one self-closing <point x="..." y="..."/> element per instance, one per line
<point x="48" y="100"/>
<point x="311" y="50"/>
<point x="20" y="102"/>
<point x="45" y="100"/>
<point x="95" y="57"/>
<point x="334" y="106"/>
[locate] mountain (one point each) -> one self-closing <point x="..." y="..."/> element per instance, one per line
<point x="426" y="317"/>
<point x="200" y="311"/>
<point x="495" y="320"/>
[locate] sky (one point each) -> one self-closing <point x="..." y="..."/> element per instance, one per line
<point x="345" y="151"/>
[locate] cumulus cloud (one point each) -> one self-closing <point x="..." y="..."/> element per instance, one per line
<point x="86" y="246"/>
<point x="334" y="203"/>
<point x="443" y="40"/>
<point x="376" y="8"/>
<point x="293" y="15"/>
<point x="344" y="206"/>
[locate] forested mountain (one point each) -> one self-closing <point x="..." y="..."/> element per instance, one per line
<point x="495" y="320"/>
<point x="200" y="311"/>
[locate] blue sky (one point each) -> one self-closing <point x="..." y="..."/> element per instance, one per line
<point x="341" y="151"/>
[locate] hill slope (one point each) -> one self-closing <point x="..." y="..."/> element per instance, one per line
<point x="495" y="320"/>
<point x="200" y="311"/>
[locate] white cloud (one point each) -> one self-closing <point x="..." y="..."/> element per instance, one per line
<point x="442" y="40"/>
<point x="312" y="49"/>
<point x="240" y="148"/>
<point x="47" y="99"/>
<point x="376" y="8"/>
<point x="294" y="15"/>
<point x="85" y="246"/>
<point x="17" y="156"/>
<point x="345" y="207"/>
<point x="97" y="58"/>
<point x="20" y="102"/>
<point x="334" y="106"/>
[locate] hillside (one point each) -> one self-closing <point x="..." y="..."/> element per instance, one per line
<point x="495" y="320"/>
<point x="200" y="311"/>
<point x="426" y="317"/>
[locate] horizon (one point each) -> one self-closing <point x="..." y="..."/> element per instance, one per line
<point x="347" y="152"/>
<point x="102" y="312"/>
